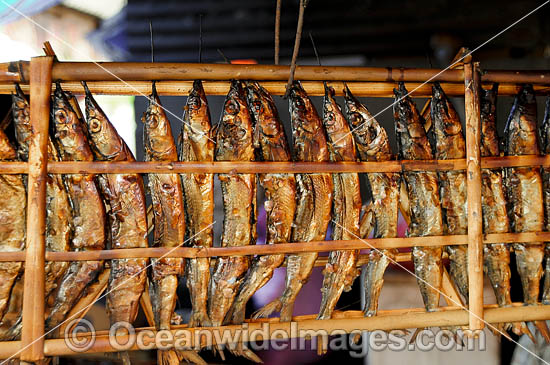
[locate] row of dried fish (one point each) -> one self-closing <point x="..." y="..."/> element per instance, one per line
<point x="93" y="212"/>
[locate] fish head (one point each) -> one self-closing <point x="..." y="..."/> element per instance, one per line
<point x="409" y="127"/>
<point x="545" y="128"/>
<point x="521" y="134"/>
<point x="302" y="111"/>
<point x="157" y="133"/>
<point x="340" y="137"/>
<point x="446" y="131"/>
<point x="269" y="133"/>
<point x="196" y="112"/>
<point x="234" y="131"/>
<point x="22" y="121"/>
<point x="105" y="141"/>
<point x="371" y="138"/>
<point x="68" y="129"/>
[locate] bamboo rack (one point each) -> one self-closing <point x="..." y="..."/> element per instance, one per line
<point x="37" y="75"/>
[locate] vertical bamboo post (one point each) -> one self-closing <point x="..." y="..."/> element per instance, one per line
<point x="473" y="160"/>
<point x="32" y="333"/>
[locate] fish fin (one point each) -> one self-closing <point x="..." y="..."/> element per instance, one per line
<point x="543" y="329"/>
<point x="367" y="220"/>
<point x="125" y="358"/>
<point x="268" y="309"/>
<point x="243" y="351"/>
<point x="520" y="328"/>
<point x="167" y="357"/>
<point x="191" y="357"/>
<point x="404" y="203"/>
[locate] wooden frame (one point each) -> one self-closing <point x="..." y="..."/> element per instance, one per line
<point x="176" y="79"/>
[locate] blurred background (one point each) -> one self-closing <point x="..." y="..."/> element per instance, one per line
<point x="422" y="33"/>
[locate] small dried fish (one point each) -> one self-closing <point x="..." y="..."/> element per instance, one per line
<point x="168" y="218"/>
<point x="545" y="137"/>
<point x="314" y="199"/>
<point x="196" y="145"/>
<point x="58" y="208"/>
<point x="340" y="271"/>
<point x="448" y="143"/>
<point x="423" y="193"/>
<point x="233" y="143"/>
<point x="70" y="138"/>
<point x="373" y="145"/>
<point x="524" y="188"/>
<point x="280" y="192"/>
<point x="124" y="193"/>
<point x="13" y="223"/>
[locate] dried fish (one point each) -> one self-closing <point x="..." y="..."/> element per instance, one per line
<point x="13" y="223"/>
<point x="70" y="138"/>
<point x="341" y="270"/>
<point x="448" y="143"/>
<point x="168" y="218"/>
<point x="423" y="194"/>
<point x="314" y="199"/>
<point x="280" y="192"/>
<point x="196" y="144"/>
<point x="233" y="143"/>
<point x="373" y="145"/>
<point x="124" y="193"/>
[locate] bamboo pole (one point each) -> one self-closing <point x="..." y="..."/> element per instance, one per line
<point x="288" y="248"/>
<point x="32" y="333"/>
<point x="67" y="167"/>
<point x="18" y="71"/>
<point x="473" y="184"/>
<point x="313" y="88"/>
<point x="347" y="321"/>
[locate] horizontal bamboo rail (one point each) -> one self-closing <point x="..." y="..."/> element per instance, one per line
<point x="313" y="88"/>
<point x="139" y="167"/>
<point x="347" y="321"/>
<point x="18" y="71"/>
<point x="297" y="247"/>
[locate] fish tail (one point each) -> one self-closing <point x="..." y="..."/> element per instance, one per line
<point x="458" y="256"/>
<point x="529" y="264"/>
<point x="167" y="357"/>
<point x="546" y="287"/>
<point x="543" y="329"/>
<point x="331" y="293"/>
<point x="429" y="271"/>
<point x="236" y="313"/>
<point x="374" y="279"/>
<point x="243" y="351"/>
<point x="125" y="358"/>
<point x="268" y="309"/>
<point x="199" y="319"/>
<point x="191" y="357"/>
<point x="520" y="328"/>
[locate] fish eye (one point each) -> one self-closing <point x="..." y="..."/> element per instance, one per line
<point x="153" y="122"/>
<point x="61" y="116"/>
<point x="194" y="102"/>
<point x="95" y="126"/>
<point x="299" y="104"/>
<point x="232" y="107"/>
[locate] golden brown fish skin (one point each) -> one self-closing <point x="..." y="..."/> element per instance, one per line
<point x="341" y="269"/>
<point x="196" y="144"/>
<point x="127" y="215"/>
<point x="280" y="192"/>
<point x="12" y="222"/>
<point x="59" y="214"/>
<point x="233" y="143"/>
<point x="423" y="192"/>
<point x="524" y="189"/>
<point x="373" y="145"/>
<point x="448" y="143"/>
<point x="168" y="217"/>
<point x="496" y="256"/>
<point x="545" y="139"/>
<point x="314" y="199"/>
<point x="10" y="325"/>
<point x="88" y="209"/>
